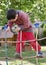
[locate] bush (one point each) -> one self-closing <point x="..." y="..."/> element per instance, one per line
<point x="42" y="34"/>
<point x="43" y="42"/>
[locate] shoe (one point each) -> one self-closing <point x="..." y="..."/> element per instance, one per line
<point x="17" y="56"/>
<point x="40" y="54"/>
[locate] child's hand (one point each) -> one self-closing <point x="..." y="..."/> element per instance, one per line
<point x="8" y="29"/>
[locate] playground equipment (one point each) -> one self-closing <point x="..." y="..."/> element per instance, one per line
<point x="21" y="47"/>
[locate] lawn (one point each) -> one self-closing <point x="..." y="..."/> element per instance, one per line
<point x="29" y="61"/>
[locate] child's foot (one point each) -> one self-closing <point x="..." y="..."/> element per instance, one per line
<point x="40" y="54"/>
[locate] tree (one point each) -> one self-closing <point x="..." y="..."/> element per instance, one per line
<point x="36" y="7"/>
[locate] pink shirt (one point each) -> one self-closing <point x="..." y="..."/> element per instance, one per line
<point x="23" y="21"/>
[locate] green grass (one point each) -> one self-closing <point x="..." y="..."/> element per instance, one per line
<point x="29" y="61"/>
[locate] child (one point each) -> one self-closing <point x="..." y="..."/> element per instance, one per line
<point x="22" y="20"/>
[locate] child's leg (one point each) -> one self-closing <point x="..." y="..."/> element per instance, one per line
<point x="30" y="36"/>
<point x="18" y="44"/>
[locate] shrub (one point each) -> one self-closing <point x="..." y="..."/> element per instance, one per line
<point x="43" y="42"/>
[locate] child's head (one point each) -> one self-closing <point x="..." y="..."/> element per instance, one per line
<point x="12" y="15"/>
